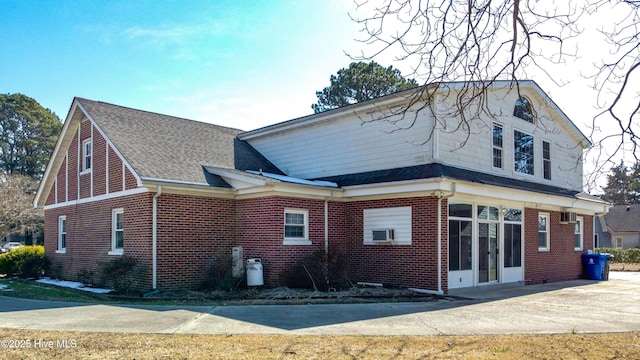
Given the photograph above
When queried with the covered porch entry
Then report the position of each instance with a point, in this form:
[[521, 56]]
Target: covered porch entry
[[485, 244]]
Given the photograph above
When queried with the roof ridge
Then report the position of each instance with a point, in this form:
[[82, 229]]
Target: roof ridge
[[81, 99]]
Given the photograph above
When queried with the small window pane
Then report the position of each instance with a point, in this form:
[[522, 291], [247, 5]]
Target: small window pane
[[497, 158], [497, 135], [119, 239], [513, 215], [291, 231], [294, 219], [542, 223], [461, 210]]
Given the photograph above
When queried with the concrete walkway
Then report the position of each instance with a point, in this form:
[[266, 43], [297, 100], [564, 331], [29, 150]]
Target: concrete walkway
[[580, 305]]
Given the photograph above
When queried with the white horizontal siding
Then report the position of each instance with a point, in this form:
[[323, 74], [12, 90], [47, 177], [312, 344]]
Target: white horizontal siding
[[396, 218], [477, 152], [347, 145]]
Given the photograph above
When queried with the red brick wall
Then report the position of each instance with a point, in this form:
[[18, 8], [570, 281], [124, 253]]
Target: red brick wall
[[562, 262], [99, 164], [115, 172], [414, 265], [260, 231], [89, 234], [99, 172], [191, 232], [73, 170]]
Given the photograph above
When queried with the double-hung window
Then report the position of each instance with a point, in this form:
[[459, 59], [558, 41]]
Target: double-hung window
[[87, 154], [296, 227], [497, 146], [546, 160], [117, 232], [578, 234], [62, 234], [543, 232]]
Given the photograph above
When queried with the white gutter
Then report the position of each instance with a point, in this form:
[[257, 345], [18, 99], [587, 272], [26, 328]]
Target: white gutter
[[154, 241], [440, 197]]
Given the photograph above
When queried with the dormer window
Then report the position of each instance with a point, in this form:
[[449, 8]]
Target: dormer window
[[523, 109]]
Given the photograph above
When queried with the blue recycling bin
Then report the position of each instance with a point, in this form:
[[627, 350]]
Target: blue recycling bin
[[595, 265]]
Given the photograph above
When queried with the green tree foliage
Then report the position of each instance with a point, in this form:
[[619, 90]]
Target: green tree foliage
[[28, 134], [361, 81], [623, 185]]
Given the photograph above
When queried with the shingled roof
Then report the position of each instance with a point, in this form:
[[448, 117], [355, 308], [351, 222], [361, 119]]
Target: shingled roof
[[433, 170], [623, 218], [170, 148]]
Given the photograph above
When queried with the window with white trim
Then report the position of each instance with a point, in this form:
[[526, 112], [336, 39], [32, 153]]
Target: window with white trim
[[62, 234], [543, 232], [617, 242], [296, 227], [87, 154], [522, 152], [117, 232], [523, 109], [578, 239], [546, 160], [497, 145]]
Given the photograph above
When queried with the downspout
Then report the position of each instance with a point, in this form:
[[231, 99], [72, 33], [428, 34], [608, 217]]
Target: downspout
[[440, 197], [326, 237], [326, 223], [439, 291], [154, 241]]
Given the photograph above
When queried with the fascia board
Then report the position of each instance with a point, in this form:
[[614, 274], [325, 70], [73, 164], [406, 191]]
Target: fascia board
[[237, 180], [351, 110], [169, 187], [55, 162]]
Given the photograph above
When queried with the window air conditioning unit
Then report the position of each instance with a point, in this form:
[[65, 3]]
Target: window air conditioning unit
[[383, 235], [567, 217]]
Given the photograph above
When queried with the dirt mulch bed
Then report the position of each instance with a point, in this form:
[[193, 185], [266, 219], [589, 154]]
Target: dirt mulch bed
[[284, 295]]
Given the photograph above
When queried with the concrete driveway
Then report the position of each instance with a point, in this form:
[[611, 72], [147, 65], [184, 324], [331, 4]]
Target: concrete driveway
[[580, 305]]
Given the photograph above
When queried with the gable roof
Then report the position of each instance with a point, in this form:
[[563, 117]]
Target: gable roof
[[160, 146], [410, 95], [623, 218], [156, 146]]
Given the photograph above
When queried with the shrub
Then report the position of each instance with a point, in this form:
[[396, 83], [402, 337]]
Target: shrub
[[87, 277], [628, 256], [25, 261], [123, 274], [318, 271], [218, 275]]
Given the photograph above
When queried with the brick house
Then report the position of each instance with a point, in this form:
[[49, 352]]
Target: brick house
[[413, 207]]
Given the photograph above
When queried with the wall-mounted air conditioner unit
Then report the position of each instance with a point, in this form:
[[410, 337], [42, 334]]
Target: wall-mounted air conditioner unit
[[567, 217], [384, 235]]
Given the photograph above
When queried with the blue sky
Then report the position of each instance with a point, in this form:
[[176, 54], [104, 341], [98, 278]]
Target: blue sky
[[243, 64]]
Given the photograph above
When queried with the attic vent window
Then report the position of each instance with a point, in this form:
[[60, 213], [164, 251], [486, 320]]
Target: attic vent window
[[523, 109]]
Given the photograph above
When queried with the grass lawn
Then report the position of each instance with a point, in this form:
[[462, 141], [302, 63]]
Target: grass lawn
[[30, 290], [82, 345]]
